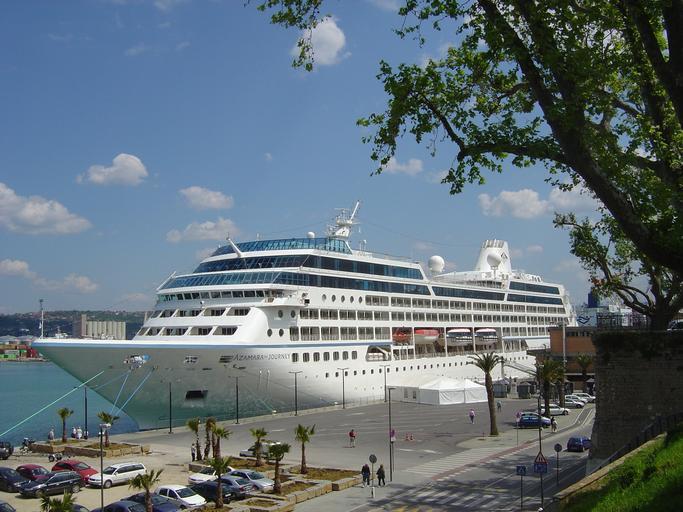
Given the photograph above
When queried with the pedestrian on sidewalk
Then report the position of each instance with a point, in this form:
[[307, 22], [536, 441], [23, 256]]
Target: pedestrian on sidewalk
[[365, 471], [193, 451], [381, 475], [472, 415], [499, 405], [352, 439], [553, 424]]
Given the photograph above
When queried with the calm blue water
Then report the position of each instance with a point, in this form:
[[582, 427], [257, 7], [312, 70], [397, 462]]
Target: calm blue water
[[25, 388]]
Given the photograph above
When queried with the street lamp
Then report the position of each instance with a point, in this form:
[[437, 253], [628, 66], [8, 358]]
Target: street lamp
[[170, 408], [391, 440], [103, 428], [296, 399], [385, 366], [237, 392], [85, 402], [343, 370]]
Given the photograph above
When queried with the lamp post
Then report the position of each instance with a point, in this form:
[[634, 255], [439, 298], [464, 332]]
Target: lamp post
[[385, 366], [103, 428], [170, 408], [391, 441], [296, 399], [343, 370], [237, 392], [85, 406]]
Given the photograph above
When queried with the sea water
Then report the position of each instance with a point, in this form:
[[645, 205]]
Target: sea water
[[25, 388]]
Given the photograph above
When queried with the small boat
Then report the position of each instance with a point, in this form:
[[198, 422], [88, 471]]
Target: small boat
[[401, 336], [426, 335], [459, 337], [485, 336]]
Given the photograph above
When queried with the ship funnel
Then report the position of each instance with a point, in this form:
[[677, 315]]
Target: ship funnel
[[494, 256]]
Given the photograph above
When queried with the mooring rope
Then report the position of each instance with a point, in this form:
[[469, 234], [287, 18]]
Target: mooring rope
[[135, 390], [118, 395]]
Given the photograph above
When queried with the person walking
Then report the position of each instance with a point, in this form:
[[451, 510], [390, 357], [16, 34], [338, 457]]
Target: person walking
[[499, 405], [381, 475], [193, 451], [365, 472], [472, 415], [553, 424], [51, 434], [352, 439]]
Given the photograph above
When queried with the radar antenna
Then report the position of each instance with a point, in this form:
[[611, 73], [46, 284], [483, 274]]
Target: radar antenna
[[343, 223]]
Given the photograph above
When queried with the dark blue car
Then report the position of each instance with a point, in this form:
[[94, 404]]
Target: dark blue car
[[159, 503], [578, 444], [530, 420], [122, 506]]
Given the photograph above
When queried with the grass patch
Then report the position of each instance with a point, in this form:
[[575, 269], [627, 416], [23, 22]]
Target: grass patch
[[112, 446], [326, 474], [258, 502], [650, 480], [250, 464], [295, 487]]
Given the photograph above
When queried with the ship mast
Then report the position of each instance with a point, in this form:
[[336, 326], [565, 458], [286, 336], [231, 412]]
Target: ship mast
[[343, 223]]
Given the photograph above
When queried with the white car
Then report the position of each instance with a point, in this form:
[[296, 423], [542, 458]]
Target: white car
[[265, 445], [258, 479], [182, 495], [586, 396], [556, 410], [571, 402], [575, 397], [120, 473], [204, 475]]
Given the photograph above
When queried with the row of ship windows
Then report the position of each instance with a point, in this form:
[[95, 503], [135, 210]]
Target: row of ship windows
[[321, 243], [311, 333], [168, 313], [315, 357]]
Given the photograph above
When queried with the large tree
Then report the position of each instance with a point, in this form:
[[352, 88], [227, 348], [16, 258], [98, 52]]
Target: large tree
[[259, 434], [64, 413], [592, 89], [108, 419], [145, 482], [193, 425], [303, 435], [487, 363], [549, 372]]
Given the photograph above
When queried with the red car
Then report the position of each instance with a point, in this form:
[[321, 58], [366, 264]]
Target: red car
[[75, 465], [31, 471]]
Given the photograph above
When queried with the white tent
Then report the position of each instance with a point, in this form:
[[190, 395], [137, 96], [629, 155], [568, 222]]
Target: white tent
[[433, 390]]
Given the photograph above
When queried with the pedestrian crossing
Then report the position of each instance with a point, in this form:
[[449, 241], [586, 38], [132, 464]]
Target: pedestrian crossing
[[453, 462]]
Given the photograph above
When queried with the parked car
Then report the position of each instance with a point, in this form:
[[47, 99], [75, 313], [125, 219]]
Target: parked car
[[204, 475], [11, 481], [531, 419], [159, 503], [120, 473], [53, 483], [259, 480], [75, 465], [675, 325], [572, 402], [585, 396], [241, 486], [6, 450], [31, 471], [578, 444], [251, 451], [78, 508], [208, 490], [122, 506], [6, 507], [555, 410], [182, 495], [575, 397]]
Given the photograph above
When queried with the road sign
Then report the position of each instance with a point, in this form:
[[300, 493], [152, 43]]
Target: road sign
[[373, 458], [540, 468], [558, 447], [521, 470], [540, 459]]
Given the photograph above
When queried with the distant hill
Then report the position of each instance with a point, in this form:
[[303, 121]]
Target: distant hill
[[20, 324]]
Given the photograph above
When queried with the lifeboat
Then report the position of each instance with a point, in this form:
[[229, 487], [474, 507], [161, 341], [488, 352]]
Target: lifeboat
[[459, 337], [401, 337], [485, 337], [426, 335]]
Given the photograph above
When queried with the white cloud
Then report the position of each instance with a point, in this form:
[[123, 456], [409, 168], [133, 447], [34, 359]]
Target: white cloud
[[436, 177], [72, 282], [167, 5], [182, 45], [411, 167], [201, 198], [534, 249], [327, 43], [204, 253], [424, 246], [268, 157], [386, 5], [137, 50], [523, 204], [136, 298], [579, 199], [125, 170], [35, 215], [208, 230], [516, 253]]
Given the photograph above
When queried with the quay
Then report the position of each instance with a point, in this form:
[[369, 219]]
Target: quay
[[437, 449]]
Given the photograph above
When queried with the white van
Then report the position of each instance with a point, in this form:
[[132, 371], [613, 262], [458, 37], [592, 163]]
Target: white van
[[120, 473]]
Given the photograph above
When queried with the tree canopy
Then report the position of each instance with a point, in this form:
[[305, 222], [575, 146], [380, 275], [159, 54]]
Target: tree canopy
[[592, 89]]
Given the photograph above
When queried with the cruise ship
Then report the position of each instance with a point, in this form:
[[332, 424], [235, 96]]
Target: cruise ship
[[274, 325]]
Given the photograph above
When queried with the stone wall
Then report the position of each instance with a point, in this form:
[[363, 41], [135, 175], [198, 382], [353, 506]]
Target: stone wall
[[639, 377]]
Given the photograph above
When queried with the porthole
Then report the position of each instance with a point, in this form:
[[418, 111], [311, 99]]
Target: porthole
[[270, 332], [292, 313], [334, 297], [280, 314], [343, 298], [281, 332], [360, 300], [324, 297], [351, 299]]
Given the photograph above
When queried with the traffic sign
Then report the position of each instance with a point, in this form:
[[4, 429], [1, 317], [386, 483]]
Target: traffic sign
[[540, 459], [521, 470], [373, 458], [558, 447], [540, 468]]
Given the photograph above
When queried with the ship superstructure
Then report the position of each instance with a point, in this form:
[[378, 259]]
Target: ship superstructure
[[269, 312]]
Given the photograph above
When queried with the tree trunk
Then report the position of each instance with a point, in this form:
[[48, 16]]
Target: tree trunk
[[63, 430], [276, 487], [546, 397], [259, 457], [584, 375], [148, 501], [106, 438], [199, 449], [217, 449], [207, 446], [492, 405], [304, 469], [219, 493]]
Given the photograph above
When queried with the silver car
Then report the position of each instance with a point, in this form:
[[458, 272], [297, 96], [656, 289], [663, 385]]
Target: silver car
[[259, 480], [120, 473]]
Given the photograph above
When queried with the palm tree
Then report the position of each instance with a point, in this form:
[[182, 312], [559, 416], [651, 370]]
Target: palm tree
[[219, 433], [548, 372], [259, 435], [277, 452], [64, 413], [193, 425], [145, 482], [487, 363], [303, 435], [584, 361], [65, 504], [209, 425], [221, 466], [105, 417]]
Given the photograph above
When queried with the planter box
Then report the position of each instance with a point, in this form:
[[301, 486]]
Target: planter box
[[277, 506], [345, 483]]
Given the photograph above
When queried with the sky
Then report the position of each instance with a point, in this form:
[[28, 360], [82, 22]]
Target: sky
[[137, 134]]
